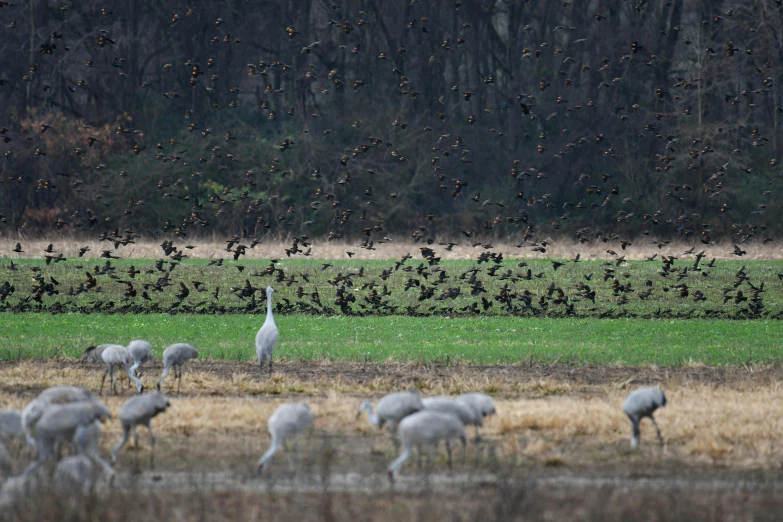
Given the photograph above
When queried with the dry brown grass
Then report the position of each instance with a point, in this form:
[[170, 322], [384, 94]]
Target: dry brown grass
[[322, 249], [540, 422], [524, 502]]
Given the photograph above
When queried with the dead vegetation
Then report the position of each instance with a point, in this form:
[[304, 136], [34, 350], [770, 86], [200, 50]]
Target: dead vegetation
[[562, 419], [529, 502]]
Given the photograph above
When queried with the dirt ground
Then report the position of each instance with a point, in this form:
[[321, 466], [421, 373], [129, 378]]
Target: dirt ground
[[559, 430]]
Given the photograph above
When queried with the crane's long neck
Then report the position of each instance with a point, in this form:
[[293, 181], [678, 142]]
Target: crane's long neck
[[166, 369], [372, 417], [270, 452], [395, 466], [269, 316], [130, 370]]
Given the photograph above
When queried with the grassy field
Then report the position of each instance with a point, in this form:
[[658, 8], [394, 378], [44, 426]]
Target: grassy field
[[729, 289], [469, 340]]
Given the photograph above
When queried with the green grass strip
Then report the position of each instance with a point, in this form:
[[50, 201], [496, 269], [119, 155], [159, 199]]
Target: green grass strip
[[470, 340]]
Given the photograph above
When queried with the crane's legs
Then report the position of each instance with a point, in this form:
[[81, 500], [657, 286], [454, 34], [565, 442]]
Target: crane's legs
[[112, 380], [660, 438], [178, 370], [478, 436], [290, 450], [635, 432], [448, 452], [152, 446], [103, 381], [125, 432]]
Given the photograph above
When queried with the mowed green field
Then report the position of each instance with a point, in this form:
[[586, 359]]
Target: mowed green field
[[476, 340]]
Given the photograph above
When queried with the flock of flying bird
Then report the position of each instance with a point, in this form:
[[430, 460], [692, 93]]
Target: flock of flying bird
[[72, 414], [530, 212], [491, 286]]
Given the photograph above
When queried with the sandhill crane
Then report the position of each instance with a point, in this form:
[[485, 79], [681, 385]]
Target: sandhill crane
[[20, 487], [74, 474], [175, 356], [55, 395], [141, 352], [116, 356], [93, 354], [140, 410], [480, 402], [266, 338], [392, 408], [67, 422], [468, 415], [288, 420], [426, 428], [642, 403], [11, 425]]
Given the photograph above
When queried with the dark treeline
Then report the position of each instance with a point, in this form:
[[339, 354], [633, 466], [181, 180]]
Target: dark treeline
[[511, 119]]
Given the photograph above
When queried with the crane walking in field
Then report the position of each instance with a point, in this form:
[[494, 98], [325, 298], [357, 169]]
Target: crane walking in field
[[54, 395], [391, 409], [287, 421], [93, 354], [116, 357], [481, 402], [68, 422], [174, 357], [266, 338], [11, 425], [141, 351], [140, 410], [468, 415], [640, 404], [426, 428], [75, 474]]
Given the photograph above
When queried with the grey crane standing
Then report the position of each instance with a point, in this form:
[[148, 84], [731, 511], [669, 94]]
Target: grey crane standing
[[174, 357], [426, 428], [481, 402], [140, 410], [55, 395], [141, 352], [75, 474], [267, 336], [468, 415], [642, 403], [71, 422], [93, 354], [287, 421], [11, 425], [116, 356], [391, 409]]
